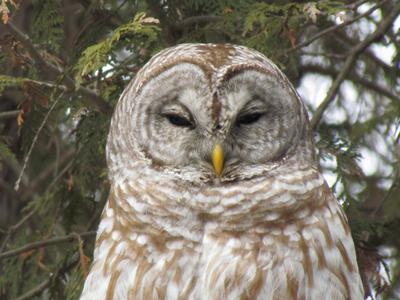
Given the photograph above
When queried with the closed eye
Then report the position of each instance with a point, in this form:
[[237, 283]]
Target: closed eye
[[248, 119], [178, 120]]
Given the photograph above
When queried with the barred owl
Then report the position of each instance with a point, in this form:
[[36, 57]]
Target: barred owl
[[215, 190]]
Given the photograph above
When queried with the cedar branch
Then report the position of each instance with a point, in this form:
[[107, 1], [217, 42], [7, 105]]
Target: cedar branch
[[46, 67]]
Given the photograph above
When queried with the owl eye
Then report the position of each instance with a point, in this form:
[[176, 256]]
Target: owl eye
[[250, 118], [179, 121]]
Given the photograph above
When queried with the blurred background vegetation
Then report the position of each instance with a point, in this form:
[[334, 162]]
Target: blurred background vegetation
[[63, 65]]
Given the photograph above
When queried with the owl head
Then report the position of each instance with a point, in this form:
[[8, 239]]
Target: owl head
[[208, 113]]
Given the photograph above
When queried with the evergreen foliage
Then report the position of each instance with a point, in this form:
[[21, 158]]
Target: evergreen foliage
[[64, 65]]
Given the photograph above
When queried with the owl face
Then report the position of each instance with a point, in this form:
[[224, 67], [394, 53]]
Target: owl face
[[220, 112]]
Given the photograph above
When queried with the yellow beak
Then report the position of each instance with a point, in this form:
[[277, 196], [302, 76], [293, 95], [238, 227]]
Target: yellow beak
[[217, 158]]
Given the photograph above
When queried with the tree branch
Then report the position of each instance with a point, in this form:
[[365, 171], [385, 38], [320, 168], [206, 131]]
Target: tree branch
[[371, 85], [334, 27], [370, 55], [45, 243], [351, 59], [37, 290], [90, 97]]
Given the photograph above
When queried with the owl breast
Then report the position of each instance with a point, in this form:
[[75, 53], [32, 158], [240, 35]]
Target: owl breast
[[251, 245]]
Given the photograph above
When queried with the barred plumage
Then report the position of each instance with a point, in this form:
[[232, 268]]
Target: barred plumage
[[267, 228]]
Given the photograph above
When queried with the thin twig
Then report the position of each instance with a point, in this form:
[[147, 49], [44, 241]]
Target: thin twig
[[14, 166], [65, 169], [9, 114], [83, 259], [47, 84], [333, 28], [17, 183], [48, 242], [37, 290], [65, 157], [14, 228], [351, 59]]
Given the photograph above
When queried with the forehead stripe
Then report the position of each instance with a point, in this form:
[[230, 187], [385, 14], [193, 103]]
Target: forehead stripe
[[215, 109]]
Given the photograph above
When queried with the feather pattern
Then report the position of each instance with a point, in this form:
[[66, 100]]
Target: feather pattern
[[268, 228]]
